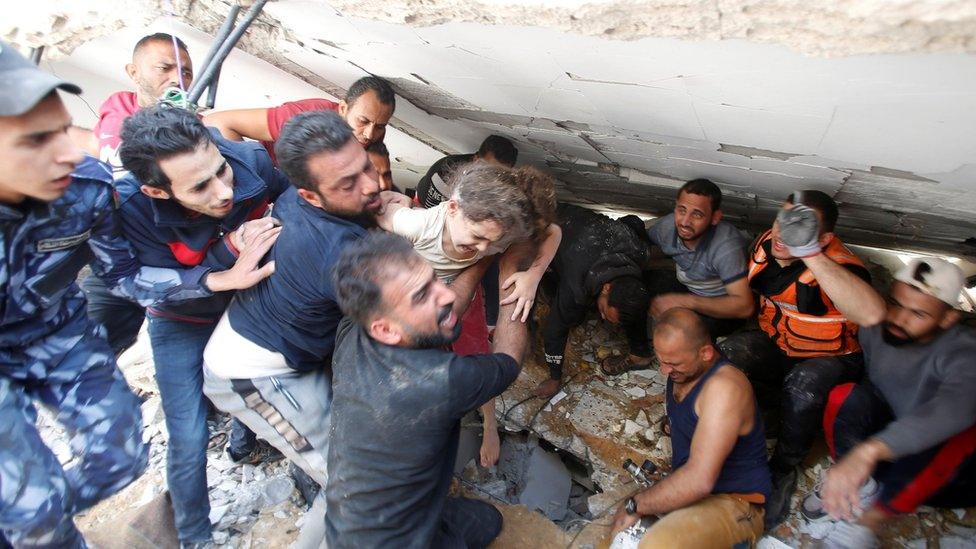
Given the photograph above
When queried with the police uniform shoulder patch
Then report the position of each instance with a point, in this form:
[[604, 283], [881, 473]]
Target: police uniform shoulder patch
[[62, 242]]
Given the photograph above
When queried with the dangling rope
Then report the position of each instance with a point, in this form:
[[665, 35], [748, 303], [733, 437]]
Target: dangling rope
[[177, 96]]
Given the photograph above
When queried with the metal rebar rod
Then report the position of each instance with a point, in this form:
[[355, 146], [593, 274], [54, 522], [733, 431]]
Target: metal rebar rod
[[35, 54], [212, 90], [197, 89], [222, 34]]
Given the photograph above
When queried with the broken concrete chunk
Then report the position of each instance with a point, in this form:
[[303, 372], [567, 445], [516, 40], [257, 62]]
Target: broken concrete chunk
[[631, 427], [277, 490], [469, 446], [664, 445], [151, 411], [602, 502], [642, 419], [547, 484], [655, 413], [217, 512], [497, 489], [635, 392]]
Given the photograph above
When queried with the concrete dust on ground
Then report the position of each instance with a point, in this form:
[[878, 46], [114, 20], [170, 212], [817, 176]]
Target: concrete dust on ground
[[596, 421]]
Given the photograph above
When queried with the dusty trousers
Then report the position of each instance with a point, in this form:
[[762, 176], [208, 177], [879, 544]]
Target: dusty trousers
[[292, 412], [718, 521]]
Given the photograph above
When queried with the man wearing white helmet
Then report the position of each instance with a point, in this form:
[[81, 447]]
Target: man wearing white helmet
[[906, 435]]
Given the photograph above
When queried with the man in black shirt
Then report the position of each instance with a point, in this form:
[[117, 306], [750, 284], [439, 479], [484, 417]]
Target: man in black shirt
[[435, 187], [398, 402]]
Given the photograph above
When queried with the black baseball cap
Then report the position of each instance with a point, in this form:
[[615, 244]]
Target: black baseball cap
[[23, 85]]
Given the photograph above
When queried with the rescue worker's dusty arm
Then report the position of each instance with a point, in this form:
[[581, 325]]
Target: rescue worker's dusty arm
[[852, 296], [739, 303], [800, 230], [511, 336], [723, 409], [240, 123]]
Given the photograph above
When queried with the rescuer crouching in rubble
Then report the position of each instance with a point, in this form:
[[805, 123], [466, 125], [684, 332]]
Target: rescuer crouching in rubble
[[808, 339], [714, 496], [599, 262], [905, 436]]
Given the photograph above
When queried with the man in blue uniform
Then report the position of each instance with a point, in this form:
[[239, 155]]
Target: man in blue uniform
[[56, 215]]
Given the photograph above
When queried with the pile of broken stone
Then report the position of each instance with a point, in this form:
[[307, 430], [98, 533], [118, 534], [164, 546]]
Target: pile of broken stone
[[562, 458]]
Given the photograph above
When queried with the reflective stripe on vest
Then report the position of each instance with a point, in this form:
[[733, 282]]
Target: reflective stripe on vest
[[799, 334]]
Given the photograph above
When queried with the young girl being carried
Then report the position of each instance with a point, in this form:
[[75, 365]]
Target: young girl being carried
[[491, 209]]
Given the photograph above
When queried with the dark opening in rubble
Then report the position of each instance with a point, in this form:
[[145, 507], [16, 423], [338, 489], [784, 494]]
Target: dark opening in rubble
[[529, 472]]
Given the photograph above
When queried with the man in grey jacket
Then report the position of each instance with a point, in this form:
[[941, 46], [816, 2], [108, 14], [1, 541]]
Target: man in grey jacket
[[911, 424]]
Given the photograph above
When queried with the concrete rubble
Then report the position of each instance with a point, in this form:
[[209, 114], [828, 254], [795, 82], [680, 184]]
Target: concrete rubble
[[603, 422], [558, 482]]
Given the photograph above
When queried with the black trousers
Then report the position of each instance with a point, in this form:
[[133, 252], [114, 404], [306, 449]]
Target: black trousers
[[941, 476], [565, 313], [122, 318], [467, 523], [799, 386]]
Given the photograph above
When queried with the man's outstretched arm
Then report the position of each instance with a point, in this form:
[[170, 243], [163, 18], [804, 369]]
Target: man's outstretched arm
[[511, 336], [240, 123]]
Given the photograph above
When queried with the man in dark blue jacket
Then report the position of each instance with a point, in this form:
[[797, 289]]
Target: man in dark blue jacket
[[269, 361], [57, 214], [195, 202]]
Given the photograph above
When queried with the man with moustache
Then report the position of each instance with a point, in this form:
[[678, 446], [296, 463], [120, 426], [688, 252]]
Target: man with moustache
[[808, 338], [910, 426], [399, 400], [719, 480], [159, 61], [710, 261], [367, 109]]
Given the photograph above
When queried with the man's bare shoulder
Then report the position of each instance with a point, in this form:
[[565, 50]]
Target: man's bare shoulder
[[728, 383]]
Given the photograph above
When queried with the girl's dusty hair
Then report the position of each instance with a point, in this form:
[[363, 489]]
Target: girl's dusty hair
[[540, 188], [487, 192]]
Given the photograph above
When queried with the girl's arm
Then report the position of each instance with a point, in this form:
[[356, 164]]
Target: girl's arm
[[527, 282]]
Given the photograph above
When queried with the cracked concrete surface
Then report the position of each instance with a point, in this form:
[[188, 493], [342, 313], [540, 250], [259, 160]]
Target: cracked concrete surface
[[870, 101], [820, 27]]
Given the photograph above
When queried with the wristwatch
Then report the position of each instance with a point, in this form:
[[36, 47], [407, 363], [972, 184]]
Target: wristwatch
[[631, 506]]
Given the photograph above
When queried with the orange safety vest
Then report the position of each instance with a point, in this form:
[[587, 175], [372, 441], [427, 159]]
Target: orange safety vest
[[801, 334]]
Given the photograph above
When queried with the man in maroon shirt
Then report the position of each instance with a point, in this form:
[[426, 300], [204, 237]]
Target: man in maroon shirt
[[159, 61], [155, 66], [367, 108]]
